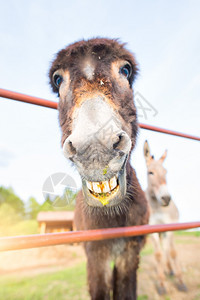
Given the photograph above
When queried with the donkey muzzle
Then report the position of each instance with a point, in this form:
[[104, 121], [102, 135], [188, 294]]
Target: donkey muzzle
[[165, 200], [99, 147]]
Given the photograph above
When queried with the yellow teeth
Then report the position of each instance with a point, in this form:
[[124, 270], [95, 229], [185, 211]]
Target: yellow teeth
[[102, 186], [103, 191], [89, 185], [96, 187], [105, 186], [113, 183], [104, 198]]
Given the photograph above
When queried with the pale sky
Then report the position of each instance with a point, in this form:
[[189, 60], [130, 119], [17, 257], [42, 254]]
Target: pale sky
[[165, 38]]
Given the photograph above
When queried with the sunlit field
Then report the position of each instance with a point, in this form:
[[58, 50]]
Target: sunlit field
[[59, 272]]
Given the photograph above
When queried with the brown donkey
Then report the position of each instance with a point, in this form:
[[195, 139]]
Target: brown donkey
[[99, 126], [162, 211]]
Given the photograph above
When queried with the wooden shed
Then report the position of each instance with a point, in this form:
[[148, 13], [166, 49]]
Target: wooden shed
[[55, 221]]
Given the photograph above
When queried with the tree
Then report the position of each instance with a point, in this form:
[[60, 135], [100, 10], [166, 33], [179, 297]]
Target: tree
[[8, 215], [33, 208], [8, 196]]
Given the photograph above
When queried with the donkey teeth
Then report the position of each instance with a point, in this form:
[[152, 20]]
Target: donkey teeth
[[96, 187], [89, 185], [113, 182], [105, 187], [102, 186]]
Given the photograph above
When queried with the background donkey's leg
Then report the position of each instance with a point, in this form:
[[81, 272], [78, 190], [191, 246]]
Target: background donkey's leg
[[167, 239], [172, 255], [159, 263], [99, 271]]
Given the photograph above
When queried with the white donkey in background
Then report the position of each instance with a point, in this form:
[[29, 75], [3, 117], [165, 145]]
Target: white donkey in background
[[162, 211]]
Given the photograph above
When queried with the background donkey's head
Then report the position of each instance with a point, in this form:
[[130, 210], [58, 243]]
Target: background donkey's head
[[156, 174], [97, 114]]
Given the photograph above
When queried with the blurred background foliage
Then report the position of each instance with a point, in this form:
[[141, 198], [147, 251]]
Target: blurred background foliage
[[20, 218]]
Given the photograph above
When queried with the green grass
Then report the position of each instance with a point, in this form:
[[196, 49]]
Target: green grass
[[65, 284], [24, 227], [147, 250], [69, 284], [188, 233], [142, 297], [62, 285]]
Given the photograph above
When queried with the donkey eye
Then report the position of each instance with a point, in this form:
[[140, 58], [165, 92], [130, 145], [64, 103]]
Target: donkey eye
[[126, 71], [150, 173], [57, 80]]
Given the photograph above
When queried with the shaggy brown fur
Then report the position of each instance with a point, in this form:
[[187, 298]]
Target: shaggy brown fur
[[133, 208]]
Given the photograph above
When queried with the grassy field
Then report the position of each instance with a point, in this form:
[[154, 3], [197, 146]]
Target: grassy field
[[23, 227], [69, 283], [65, 284], [62, 285], [187, 233]]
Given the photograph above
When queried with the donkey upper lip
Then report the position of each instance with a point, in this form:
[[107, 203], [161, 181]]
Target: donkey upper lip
[[102, 186]]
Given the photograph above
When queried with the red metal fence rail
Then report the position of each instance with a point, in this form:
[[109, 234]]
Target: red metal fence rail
[[49, 239], [32, 241], [27, 99], [51, 104]]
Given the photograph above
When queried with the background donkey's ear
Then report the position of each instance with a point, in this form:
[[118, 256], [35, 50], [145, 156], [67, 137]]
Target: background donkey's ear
[[163, 156], [147, 154]]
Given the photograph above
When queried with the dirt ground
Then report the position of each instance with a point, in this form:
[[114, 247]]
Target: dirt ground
[[188, 248], [50, 259]]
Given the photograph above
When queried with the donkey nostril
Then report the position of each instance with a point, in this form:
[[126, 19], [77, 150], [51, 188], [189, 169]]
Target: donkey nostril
[[71, 148], [117, 144], [166, 199]]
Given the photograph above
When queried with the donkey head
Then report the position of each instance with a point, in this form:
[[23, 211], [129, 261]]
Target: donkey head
[[97, 114], [156, 173]]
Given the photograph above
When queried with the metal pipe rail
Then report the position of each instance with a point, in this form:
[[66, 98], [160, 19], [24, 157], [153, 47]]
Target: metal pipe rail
[[27, 99], [51, 104], [32, 241], [50, 239]]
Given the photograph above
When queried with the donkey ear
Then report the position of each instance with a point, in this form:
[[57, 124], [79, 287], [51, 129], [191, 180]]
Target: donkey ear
[[163, 156], [147, 154]]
